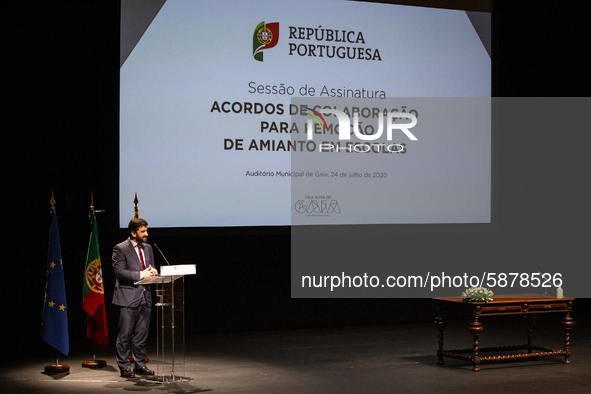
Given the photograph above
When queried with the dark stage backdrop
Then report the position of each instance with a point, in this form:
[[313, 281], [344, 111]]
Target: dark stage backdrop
[[62, 136]]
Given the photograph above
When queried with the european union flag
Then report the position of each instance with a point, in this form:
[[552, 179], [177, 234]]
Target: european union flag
[[54, 326]]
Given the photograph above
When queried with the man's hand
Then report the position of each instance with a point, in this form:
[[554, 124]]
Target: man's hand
[[149, 272]]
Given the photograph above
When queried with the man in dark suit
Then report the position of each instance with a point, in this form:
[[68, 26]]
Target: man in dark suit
[[133, 260]]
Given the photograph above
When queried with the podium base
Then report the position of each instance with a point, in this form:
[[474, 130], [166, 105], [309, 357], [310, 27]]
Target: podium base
[[94, 364], [57, 368], [167, 379]]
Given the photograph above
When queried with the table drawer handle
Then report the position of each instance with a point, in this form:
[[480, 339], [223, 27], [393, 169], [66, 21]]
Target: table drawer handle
[[504, 309]]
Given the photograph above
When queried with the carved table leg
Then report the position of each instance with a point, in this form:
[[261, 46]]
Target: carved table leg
[[440, 323], [476, 328], [568, 323], [530, 320]]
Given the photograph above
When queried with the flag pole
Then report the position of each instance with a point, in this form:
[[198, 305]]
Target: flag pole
[[94, 363], [136, 212], [57, 367]]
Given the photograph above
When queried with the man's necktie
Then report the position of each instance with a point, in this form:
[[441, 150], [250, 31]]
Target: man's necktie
[[139, 247]]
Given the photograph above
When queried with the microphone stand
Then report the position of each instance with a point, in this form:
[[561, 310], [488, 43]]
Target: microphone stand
[[162, 254]]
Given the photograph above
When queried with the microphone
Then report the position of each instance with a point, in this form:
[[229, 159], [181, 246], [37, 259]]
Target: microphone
[[162, 254]]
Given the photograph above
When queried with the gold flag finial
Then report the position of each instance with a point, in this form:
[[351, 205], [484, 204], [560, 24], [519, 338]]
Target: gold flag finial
[[91, 201], [136, 212], [52, 202]]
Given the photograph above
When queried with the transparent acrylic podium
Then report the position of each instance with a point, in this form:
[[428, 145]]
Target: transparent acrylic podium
[[170, 322]]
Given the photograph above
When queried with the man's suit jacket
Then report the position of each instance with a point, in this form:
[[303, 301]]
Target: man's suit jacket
[[128, 269]]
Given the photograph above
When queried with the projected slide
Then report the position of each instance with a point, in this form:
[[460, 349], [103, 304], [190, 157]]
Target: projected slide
[[217, 98]]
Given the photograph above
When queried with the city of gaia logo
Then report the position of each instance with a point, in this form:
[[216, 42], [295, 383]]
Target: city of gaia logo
[[318, 115], [266, 36]]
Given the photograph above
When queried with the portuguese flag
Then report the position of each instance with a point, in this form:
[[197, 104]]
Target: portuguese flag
[[266, 36], [93, 292]]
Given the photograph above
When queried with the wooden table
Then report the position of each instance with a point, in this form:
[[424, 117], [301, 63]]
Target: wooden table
[[527, 307]]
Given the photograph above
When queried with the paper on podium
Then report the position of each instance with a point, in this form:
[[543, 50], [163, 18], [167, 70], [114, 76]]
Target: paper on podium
[[178, 270]]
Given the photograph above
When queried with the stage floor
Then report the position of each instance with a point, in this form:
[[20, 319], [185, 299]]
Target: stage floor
[[368, 359]]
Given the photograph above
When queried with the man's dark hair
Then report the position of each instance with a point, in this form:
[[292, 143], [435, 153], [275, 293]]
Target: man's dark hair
[[135, 224]]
